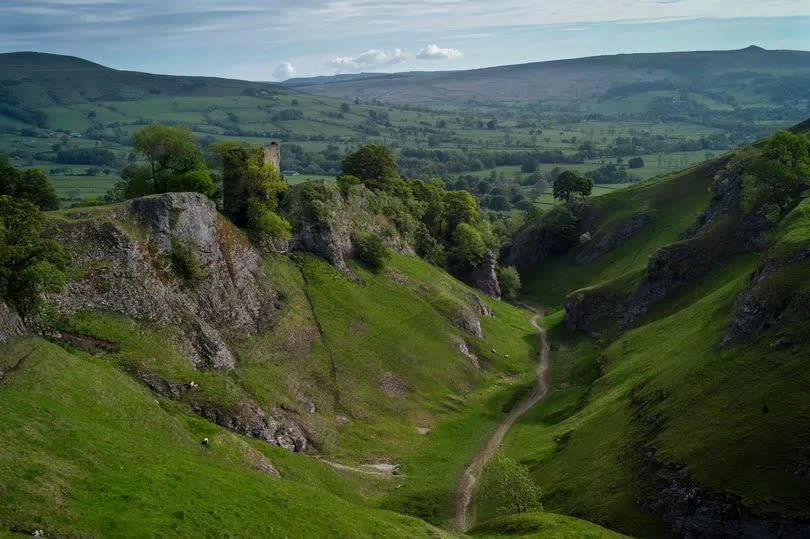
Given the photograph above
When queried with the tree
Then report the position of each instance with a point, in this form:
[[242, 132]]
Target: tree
[[372, 250], [170, 152], [30, 264], [459, 207], [507, 487], [636, 162], [372, 163], [31, 185], [344, 107], [468, 248], [569, 184], [509, 279]]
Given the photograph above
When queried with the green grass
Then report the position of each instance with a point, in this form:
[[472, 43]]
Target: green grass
[[703, 408], [541, 525], [334, 342], [673, 202], [88, 452]]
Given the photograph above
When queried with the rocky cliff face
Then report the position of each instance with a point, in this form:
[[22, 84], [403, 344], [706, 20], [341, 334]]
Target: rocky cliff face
[[122, 264], [613, 238], [485, 277], [330, 234], [11, 325], [554, 233], [772, 305]]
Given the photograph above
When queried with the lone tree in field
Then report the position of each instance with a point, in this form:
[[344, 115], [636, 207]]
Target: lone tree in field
[[569, 184], [507, 487]]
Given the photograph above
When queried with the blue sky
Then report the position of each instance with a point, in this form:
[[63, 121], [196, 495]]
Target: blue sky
[[272, 40]]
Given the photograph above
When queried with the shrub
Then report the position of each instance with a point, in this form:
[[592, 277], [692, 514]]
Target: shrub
[[507, 487], [509, 279], [267, 228], [185, 261], [372, 250]]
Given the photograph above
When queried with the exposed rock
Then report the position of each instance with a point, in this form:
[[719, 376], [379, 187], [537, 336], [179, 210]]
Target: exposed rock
[[478, 306], [693, 511], [261, 463], [332, 238], [11, 325], [470, 323], [542, 238], [122, 260], [250, 420], [211, 351], [613, 238], [341, 419], [485, 278], [465, 351], [424, 431], [393, 385], [594, 311], [668, 270]]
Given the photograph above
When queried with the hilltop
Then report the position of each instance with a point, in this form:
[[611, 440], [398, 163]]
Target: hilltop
[[721, 78]]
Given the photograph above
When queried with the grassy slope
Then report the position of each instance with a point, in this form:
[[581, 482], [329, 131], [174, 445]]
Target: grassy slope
[[673, 202], [735, 417], [86, 451], [539, 525], [397, 323]]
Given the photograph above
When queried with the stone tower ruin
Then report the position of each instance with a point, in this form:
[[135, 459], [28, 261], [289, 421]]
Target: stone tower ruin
[[272, 154]]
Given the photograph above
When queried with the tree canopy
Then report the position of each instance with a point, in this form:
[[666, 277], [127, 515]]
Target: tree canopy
[[373, 164], [569, 184], [31, 185], [29, 263], [507, 486], [173, 163]]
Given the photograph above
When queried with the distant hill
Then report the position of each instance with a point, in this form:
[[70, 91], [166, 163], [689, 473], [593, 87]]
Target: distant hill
[[33, 79], [737, 76]]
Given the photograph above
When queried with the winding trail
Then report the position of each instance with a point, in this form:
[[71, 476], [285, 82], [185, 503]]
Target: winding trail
[[462, 499]]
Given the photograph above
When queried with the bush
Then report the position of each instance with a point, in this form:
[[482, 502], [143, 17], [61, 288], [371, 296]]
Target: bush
[[185, 262], [509, 279], [372, 250], [507, 487], [267, 228]]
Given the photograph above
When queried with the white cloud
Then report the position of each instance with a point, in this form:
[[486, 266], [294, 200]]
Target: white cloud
[[369, 59], [283, 71], [434, 52]]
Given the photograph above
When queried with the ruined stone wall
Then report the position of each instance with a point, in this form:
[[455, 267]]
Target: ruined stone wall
[[272, 154]]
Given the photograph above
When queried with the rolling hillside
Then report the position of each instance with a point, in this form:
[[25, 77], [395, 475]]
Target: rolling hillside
[[721, 79], [678, 401]]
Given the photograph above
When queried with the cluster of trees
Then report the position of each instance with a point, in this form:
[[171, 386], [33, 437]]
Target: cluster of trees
[[30, 264], [173, 163], [88, 156], [773, 178], [31, 185]]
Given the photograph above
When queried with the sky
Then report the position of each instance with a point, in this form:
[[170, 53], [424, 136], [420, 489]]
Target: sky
[[274, 40]]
